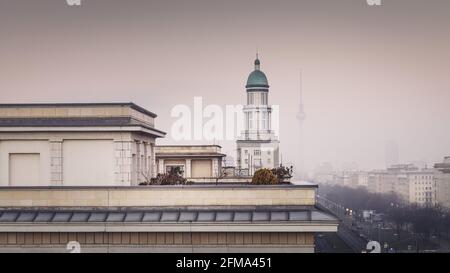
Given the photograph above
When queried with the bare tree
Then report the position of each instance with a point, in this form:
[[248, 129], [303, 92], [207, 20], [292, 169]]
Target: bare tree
[[222, 174]]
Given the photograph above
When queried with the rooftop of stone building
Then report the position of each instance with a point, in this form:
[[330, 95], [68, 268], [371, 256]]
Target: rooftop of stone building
[[56, 115]]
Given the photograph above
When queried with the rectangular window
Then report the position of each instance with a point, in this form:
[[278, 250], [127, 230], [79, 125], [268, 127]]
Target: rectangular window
[[251, 98], [257, 162], [264, 120], [250, 120], [264, 98], [173, 167], [257, 152]]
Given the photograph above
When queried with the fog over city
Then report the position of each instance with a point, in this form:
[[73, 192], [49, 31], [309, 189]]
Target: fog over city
[[372, 75]]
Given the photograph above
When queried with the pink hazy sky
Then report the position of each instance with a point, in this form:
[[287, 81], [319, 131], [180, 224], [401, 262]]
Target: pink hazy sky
[[370, 74]]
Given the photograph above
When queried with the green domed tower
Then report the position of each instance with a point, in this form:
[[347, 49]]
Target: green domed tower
[[257, 80], [258, 145], [257, 86]]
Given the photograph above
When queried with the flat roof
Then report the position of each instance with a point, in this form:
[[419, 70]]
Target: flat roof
[[183, 155], [186, 145], [71, 123], [90, 104], [75, 124]]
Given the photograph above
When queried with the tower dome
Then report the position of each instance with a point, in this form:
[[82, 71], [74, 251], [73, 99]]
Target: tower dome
[[257, 79]]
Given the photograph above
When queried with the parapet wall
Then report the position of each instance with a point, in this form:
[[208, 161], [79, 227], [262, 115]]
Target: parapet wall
[[156, 196]]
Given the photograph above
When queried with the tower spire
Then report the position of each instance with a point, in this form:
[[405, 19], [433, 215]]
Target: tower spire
[[301, 110], [299, 168], [257, 62]]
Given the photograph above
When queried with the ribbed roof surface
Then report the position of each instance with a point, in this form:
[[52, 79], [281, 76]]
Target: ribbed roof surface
[[178, 216]]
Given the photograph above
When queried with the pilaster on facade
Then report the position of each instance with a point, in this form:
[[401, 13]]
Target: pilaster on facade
[[188, 168], [123, 164], [138, 168], [153, 160], [56, 162], [146, 165], [215, 167], [161, 166]]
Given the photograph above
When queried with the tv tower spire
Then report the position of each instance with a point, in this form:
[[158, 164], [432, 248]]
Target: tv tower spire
[[301, 111], [299, 166]]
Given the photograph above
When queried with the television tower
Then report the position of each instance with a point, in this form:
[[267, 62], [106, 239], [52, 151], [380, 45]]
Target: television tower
[[299, 167]]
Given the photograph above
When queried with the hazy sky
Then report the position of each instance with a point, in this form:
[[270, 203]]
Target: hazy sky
[[370, 74]]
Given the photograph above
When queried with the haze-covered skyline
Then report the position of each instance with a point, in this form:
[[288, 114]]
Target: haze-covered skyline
[[370, 74]]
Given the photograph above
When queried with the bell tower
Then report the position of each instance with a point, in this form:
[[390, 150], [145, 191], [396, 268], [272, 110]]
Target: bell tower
[[258, 146]]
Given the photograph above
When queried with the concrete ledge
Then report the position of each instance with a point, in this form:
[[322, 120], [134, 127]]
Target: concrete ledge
[[161, 249], [159, 227], [208, 185], [159, 196]]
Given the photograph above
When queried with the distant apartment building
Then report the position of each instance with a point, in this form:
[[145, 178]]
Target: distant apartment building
[[362, 179], [374, 180], [343, 179], [442, 178], [409, 183], [354, 179], [324, 173], [324, 178], [422, 187]]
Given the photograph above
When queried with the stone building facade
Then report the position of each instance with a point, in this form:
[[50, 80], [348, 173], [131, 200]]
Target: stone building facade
[[76, 144], [411, 184], [198, 162], [192, 218], [443, 182]]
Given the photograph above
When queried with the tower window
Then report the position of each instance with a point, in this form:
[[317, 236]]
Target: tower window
[[264, 120], [264, 98], [250, 98], [250, 120]]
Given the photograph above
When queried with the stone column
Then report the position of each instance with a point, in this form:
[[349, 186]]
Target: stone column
[[187, 171], [56, 163], [138, 167], [269, 118], [123, 157], [153, 160], [145, 165], [161, 166]]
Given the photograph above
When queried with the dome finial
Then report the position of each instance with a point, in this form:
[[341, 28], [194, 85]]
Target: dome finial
[[257, 62]]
